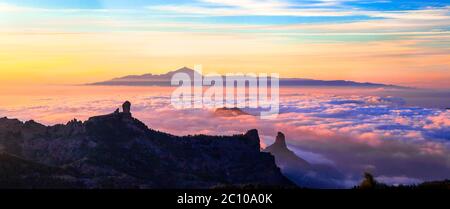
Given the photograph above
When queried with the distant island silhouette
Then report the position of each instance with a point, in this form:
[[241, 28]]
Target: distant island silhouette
[[165, 80]]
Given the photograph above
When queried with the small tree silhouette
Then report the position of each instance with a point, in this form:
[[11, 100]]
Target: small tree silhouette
[[369, 182]]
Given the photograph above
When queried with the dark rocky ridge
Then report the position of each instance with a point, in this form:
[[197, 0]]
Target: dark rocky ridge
[[300, 171], [119, 151], [284, 156]]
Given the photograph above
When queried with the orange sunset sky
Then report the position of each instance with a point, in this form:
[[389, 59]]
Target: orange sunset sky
[[60, 43]]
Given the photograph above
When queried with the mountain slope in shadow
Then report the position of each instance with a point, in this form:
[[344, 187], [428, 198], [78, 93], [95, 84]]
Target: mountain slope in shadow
[[17, 173], [300, 171], [119, 151], [284, 156]]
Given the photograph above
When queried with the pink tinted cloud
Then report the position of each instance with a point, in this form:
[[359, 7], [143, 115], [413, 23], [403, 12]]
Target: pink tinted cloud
[[350, 132]]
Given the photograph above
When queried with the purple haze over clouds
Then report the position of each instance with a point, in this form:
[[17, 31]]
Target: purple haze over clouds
[[399, 143]]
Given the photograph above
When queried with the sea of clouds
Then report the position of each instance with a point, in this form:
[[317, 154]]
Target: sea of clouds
[[398, 143]]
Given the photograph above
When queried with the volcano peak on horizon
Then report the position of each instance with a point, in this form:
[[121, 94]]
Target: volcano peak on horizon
[[165, 80]]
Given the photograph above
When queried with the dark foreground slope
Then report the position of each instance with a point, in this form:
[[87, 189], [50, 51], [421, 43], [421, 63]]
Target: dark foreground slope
[[118, 151], [300, 171]]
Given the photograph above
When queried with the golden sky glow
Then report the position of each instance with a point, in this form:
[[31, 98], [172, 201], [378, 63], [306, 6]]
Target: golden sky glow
[[41, 44], [72, 58]]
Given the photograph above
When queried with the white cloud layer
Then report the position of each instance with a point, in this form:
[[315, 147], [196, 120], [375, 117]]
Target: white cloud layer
[[398, 143]]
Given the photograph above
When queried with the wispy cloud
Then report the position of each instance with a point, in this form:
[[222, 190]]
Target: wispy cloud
[[12, 8], [250, 3], [251, 8], [311, 38], [323, 8]]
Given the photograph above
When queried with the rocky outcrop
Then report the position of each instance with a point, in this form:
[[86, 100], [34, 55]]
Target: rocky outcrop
[[119, 151], [285, 157], [229, 112], [126, 107], [300, 171]]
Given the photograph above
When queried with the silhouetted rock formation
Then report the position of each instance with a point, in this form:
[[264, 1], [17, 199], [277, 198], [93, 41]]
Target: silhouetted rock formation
[[280, 147], [126, 107], [299, 170], [284, 157], [280, 141], [119, 151], [229, 112]]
